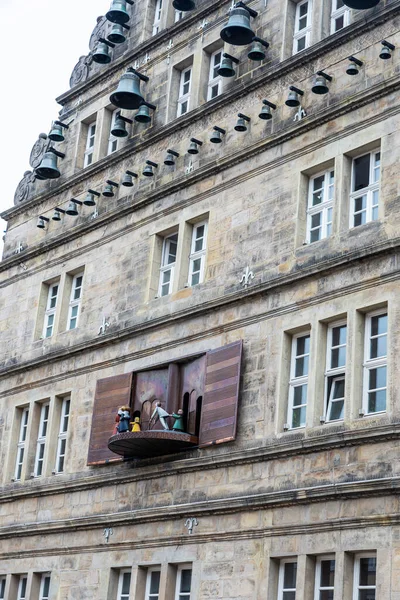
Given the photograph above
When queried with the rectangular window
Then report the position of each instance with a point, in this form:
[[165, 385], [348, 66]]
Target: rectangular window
[[41, 441], [340, 15], [62, 435], [50, 313], [153, 584], [302, 26], [183, 582], [21, 443], [23, 580], [124, 584], [335, 371], [185, 85], [75, 301], [324, 578], [364, 577], [375, 362], [364, 197], [44, 587], [2, 588], [197, 257], [214, 80], [157, 17], [298, 384], [178, 15], [320, 206], [112, 140], [91, 136], [287, 580], [168, 260]]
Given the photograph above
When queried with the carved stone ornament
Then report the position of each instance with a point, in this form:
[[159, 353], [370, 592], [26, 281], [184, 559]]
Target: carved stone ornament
[[24, 189], [38, 150], [81, 71], [98, 32]]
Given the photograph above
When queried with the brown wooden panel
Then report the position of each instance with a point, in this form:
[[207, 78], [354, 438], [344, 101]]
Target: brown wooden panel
[[110, 394], [219, 411]]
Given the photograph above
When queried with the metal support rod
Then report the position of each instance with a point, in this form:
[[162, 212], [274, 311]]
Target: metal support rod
[[125, 119], [196, 141], [261, 41], [216, 128], [169, 151], [232, 58], [245, 117], [104, 41], [140, 75], [94, 193], [388, 45], [75, 201], [241, 4], [44, 218], [131, 173], [61, 124], [151, 163], [56, 152], [297, 90], [270, 104], [324, 75], [110, 182], [355, 61], [61, 210]]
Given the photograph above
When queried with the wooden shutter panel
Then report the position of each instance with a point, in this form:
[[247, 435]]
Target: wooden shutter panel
[[111, 393], [221, 392]]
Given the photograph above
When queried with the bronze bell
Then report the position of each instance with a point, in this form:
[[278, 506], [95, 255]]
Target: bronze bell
[[352, 68], [226, 68], [48, 168], [257, 50], [184, 5], [72, 209], [148, 170], [89, 200], [241, 122], [386, 51], [117, 34], [41, 222], [216, 136], [119, 128], [128, 95], [56, 134], [320, 84], [101, 55], [194, 146], [108, 191], [57, 214], [127, 179], [360, 4], [293, 98], [238, 31], [266, 113], [118, 12], [143, 114], [170, 158]]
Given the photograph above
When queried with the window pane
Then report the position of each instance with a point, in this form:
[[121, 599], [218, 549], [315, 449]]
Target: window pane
[[379, 325], [316, 220], [289, 576], [289, 596], [299, 417], [368, 571], [377, 378], [186, 580], [337, 411], [46, 587], [155, 582], [377, 401], [327, 573], [338, 389], [338, 357], [361, 172], [195, 279], [301, 366], [339, 335], [300, 395], [326, 595], [126, 582], [303, 345], [301, 44], [367, 595]]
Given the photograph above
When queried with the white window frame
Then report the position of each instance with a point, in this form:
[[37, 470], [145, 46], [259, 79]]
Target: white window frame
[[336, 13], [333, 374], [122, 572], [50, 312], [41, 439], [198, 255], [373, 363], [20, 586], [90, 142], [22, 439], [179, 14], [212, 79], [112, 140], [62, 434], [356, 581], [75, 302], [368, 191], [167, 267], [158, 6], [305, 32], [298, 381], [325, 207], [184, 96], [318, 588], [3, 581], [182, 595], [42, 596], [281, 576], [149, 596]]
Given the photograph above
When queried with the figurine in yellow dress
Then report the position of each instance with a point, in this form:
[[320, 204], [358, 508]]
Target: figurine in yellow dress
[[136, 424]]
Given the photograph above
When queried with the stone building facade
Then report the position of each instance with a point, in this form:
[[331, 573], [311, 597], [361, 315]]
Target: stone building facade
[[265, 268]]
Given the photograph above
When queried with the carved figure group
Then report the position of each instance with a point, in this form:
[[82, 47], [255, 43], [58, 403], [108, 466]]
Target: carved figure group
[[123, 420]]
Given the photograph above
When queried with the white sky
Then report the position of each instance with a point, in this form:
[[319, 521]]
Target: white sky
[[41, 41]]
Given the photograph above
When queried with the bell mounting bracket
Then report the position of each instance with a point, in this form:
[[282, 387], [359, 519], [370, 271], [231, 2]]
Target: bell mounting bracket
[[216, 128], [124, 119], [110, 182], [56, 152], [169, 151], [270, 104], [241, 4], [196, 141], [151, 163], [75, 201], [232, 58], [61, 124], [94, 193], [131, 173], [131, 2], [104, 41], [152, 106], [355, 61], [245, 117], [297, 90], [388, 45], [140, 75], [324, 75], [261, 41], [44, 218], [124, 25], [61, 210]]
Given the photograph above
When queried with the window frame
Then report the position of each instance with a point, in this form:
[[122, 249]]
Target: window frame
[[214, 80], [367, 191], [373, 363], [178, 593], [323, 207], [50, 310], [184, 97], [298, 381], [179, 14], [90, 143], [158, 7], [3, 581], [168, 266], [62, 435], [112, 140], [75, 302], [336, 13], [356, 578], [281, 576], [21, 445], [306, 31], [22, 578], [333, 374], [42, 585], [147, 595], [41, 439], [121, 574], [317, 586], [199, 254]]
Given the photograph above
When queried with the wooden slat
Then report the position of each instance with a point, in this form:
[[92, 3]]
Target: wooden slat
[[111, 393], [220, 403]]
